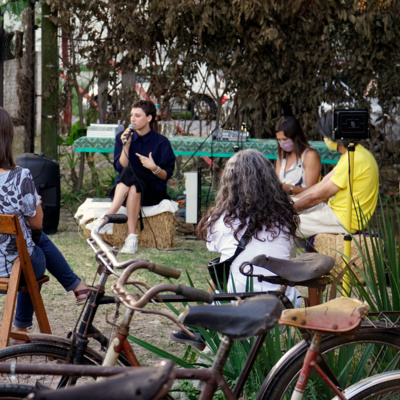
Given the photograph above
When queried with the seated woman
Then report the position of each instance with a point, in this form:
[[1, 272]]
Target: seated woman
[[251, 200], [18, 196], [145, 161], [298, 165]]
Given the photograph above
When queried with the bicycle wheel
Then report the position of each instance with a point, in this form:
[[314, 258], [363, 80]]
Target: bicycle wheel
[[368, 352], [15, 391], [379, 387], [33, 353]]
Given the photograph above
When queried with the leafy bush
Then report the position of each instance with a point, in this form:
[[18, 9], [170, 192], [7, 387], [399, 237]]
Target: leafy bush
[[379, 266]]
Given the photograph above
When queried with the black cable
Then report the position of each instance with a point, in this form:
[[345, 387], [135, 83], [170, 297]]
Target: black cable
[[194, 153]]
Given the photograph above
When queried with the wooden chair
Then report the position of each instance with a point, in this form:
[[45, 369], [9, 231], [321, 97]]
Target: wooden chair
[[9, 224]]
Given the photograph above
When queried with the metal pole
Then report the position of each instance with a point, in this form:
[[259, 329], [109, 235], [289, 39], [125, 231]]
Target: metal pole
[[349, 214]]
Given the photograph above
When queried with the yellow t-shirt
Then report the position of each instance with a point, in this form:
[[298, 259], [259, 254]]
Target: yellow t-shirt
[[365, 186]]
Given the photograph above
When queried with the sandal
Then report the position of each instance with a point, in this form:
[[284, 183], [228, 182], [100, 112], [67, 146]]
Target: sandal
[[81, 296], [16, 342]]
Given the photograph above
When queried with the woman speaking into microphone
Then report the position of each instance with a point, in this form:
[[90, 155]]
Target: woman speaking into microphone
[[144, 161]]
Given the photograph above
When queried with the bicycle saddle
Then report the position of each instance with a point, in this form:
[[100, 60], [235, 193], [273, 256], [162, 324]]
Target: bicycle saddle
[[137, 384], [305, 267], [245, 318], [339, 315]]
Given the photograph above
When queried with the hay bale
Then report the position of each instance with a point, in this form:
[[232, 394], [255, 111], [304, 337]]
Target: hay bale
[[333, 245], [159, 227]]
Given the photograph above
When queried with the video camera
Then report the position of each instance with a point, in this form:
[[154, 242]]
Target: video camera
[[350, 125]]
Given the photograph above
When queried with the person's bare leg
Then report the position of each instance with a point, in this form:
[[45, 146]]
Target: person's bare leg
[[121, 191], [133, 208]]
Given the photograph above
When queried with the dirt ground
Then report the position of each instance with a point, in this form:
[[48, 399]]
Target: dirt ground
[[63, 314]]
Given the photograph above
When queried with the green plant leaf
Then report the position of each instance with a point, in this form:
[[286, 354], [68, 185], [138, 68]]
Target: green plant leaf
[[160, 352]]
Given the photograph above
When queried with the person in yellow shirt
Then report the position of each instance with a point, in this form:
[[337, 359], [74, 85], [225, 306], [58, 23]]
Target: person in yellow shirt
[[322, 207]]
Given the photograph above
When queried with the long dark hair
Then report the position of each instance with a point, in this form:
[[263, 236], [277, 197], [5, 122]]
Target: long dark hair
[[292, 130], [148, 107], [6, 139], [251, 192]]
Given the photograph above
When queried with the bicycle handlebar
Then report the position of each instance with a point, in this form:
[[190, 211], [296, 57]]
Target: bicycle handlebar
[[194, 294], [116, 218], [164, 270], [108, 252], [130, 300]]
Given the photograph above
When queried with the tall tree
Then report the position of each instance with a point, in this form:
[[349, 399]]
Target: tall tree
[[276, 57]]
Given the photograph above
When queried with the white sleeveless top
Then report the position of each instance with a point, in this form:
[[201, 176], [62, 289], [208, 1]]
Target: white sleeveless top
[[296, 174]]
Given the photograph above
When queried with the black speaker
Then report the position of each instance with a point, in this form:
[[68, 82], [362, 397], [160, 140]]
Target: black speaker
[[46, 175]]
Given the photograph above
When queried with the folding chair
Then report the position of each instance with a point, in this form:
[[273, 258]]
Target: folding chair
[[9, 224]]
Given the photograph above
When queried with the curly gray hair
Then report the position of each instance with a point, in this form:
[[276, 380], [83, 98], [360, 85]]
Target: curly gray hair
[[250, 190]]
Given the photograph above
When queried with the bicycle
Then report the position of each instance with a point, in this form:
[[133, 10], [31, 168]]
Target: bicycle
[[75, 347], [247, 318], [371, 338], [76, 350]]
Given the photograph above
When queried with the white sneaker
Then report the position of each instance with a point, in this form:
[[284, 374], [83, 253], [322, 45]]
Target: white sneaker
[[131, 244]]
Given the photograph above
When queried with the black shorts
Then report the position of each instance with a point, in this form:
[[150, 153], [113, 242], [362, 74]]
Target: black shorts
[[130, 176]]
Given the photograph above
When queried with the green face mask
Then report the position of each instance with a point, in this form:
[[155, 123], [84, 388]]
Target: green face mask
[[330, 144]]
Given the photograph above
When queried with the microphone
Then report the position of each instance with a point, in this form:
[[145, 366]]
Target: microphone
[[131, 129]]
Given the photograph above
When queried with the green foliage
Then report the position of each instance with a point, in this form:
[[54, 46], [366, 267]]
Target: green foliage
[[190, 391], [379, 264], [185, 115], [69, 152], [273, 56], [14, 7], [75, 133]]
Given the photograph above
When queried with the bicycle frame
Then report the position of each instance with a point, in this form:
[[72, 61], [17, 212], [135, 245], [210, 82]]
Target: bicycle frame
[[310, 363]]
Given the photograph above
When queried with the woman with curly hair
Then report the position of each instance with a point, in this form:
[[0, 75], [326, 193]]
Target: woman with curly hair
[[251, 200]]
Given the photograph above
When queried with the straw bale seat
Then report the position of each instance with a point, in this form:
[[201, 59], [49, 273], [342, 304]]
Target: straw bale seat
[[333, 245], [158, 223]]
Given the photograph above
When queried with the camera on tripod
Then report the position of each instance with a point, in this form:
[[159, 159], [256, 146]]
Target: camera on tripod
[[350, 125]]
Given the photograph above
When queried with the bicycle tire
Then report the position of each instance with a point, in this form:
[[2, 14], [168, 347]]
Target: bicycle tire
[[11, 391], [347, 355], [379, 387], [44, 353]]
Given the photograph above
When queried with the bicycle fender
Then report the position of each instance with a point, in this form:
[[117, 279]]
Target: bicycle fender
[[287, 359], [64, 343]]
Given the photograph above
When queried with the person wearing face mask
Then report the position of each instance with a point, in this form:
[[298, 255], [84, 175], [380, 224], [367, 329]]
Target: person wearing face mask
[[298, 165], [324, 206]]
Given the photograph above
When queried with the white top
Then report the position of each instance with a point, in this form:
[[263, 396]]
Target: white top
[[296, 174], [223, 242]]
